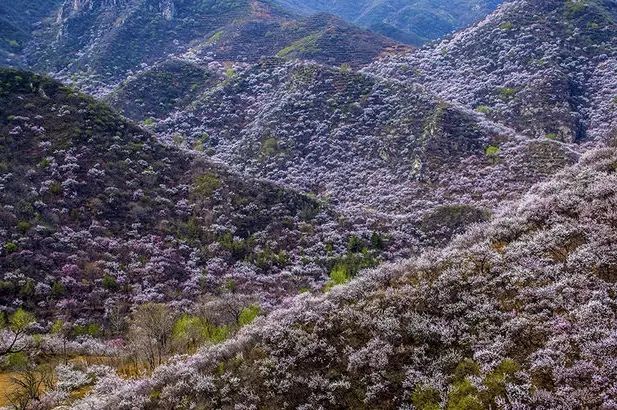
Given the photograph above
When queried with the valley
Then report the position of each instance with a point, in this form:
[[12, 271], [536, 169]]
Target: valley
[[241, 204]]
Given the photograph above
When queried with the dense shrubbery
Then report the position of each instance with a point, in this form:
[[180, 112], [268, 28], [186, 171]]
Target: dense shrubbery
[[379, 150]]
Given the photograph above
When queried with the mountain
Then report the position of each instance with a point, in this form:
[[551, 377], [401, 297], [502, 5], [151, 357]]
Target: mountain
[[96, 214], [321, 37], [542, 67], [411, 22], [517, 312], [98, 44]]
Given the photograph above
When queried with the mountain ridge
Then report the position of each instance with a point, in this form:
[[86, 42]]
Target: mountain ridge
[[409, 22], [98, 44]]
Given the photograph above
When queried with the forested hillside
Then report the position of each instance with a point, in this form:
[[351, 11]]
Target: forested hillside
[[97, 215], [518, 312], [543, 67]]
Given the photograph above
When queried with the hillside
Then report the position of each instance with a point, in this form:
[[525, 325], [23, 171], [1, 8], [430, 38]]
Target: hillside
[[321, 37], [379, 149], [542, 67], [166, 87], [98, 215], [411, 22], [518, 312], [98, 44]]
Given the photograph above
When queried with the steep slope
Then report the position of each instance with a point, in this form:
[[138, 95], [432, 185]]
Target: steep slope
[[96, 214], [18, 20], [412, 22], [543, 67], [374, 147], [98, 43], [520, 312]]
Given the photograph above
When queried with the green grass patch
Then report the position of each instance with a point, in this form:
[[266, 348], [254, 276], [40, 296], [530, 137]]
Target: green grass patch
[[205, 184], [506, 26], [305, 45]]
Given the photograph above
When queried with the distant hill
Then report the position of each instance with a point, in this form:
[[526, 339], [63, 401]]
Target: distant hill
[[411, 22], [98, 44], [18, 20]]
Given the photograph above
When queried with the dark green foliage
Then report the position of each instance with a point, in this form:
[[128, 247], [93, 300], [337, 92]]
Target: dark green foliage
[[110, 283], [16, 361], [445, 221], [484, 109], [492, 152], [495, 381], [355, 244], [464, 396], [27, 289], [248, 314], [57, 289], [269, 147], [206, 184], [10, 247], [90, 329], [466, 368], [23, 226], [377, 241], [507, 93], [268, 258], [239, 248]]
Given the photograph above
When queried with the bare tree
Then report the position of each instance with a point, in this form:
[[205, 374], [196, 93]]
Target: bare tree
[[29, 385], [13, 333], [150, 332]]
